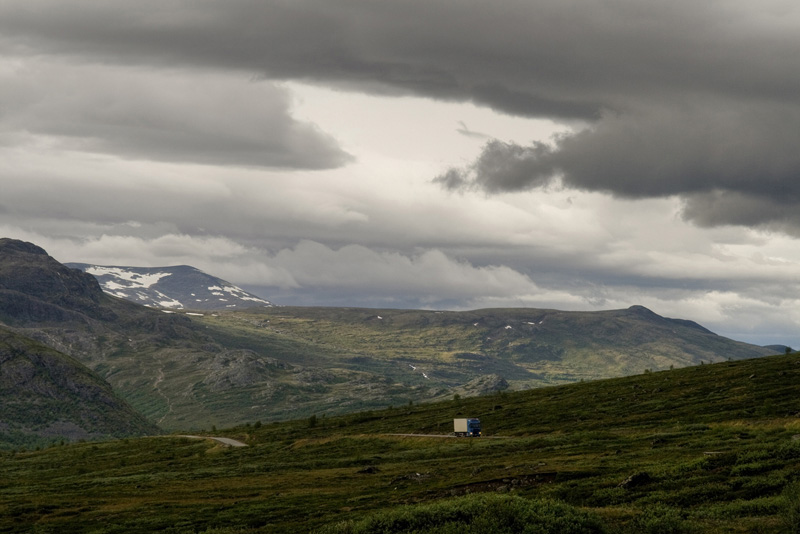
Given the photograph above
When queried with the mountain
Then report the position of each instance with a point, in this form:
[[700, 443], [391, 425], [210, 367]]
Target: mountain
[[780, 349], [133, 347], [168, 366], [48, 396], [525, 346], [189, 370], [179, 287], [36, 288]]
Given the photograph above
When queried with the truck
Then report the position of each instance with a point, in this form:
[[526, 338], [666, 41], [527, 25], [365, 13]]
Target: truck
[[469, 427]]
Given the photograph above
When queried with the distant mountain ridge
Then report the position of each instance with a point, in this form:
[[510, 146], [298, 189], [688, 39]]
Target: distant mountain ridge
[[191, 370], [176, 287]]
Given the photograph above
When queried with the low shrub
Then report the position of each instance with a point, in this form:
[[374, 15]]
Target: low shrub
[[660, 519], [790, 508], [476, 514], [751, 468], [789, 450], [758, 507], [609, 497]]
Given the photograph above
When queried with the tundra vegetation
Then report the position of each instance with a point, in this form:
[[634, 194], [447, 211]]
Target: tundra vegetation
[[703, 449]]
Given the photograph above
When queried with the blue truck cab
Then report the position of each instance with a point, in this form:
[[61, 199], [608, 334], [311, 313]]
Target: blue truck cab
[[470, 427]]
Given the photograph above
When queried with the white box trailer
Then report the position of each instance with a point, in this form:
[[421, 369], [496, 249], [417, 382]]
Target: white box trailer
[[468, 427]]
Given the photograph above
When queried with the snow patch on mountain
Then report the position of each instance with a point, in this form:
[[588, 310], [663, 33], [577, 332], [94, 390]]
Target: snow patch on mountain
[[178, 287], [125, 274]]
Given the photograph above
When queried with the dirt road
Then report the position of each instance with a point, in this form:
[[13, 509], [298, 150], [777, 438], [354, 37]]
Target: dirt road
[[441, 436], [225, 441]]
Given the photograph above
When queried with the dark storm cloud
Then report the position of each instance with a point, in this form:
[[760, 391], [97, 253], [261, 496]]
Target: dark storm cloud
[[569, 59], [438, 49], [503, 167], [731, 165], [659, 151], [681, 98], [173, 116], [716, 208]]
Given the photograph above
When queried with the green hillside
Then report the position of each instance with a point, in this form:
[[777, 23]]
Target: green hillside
[[47, 397], [705, 449], [527, 346]]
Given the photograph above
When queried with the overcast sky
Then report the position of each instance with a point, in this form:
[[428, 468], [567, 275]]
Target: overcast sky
[[444, 154]]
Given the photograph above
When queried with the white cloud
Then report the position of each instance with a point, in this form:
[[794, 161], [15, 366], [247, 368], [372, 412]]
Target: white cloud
[[429, 275]]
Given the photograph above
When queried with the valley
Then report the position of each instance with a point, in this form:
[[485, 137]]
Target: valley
[[620, 421], [194, 369], [399, 267], [711, 448]]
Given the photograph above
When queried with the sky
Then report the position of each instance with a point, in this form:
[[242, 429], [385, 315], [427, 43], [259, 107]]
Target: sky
[[437, 154]]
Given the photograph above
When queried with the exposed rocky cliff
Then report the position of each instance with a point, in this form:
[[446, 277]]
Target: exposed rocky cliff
[[35, 288]]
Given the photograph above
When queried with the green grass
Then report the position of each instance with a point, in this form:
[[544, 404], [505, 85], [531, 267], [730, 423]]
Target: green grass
[[706, 449], [477, 514]]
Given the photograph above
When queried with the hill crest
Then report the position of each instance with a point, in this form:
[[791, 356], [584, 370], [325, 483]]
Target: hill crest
[[34, 287]]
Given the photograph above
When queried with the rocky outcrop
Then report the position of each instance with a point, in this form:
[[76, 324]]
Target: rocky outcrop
[[236, 369], [35, 288]]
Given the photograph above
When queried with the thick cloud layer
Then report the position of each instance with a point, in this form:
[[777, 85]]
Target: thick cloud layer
[[732, 166], [176, 116], [679, 98]]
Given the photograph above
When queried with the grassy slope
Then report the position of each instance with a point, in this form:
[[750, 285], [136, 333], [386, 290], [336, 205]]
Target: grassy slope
[[717, 442], [528, 347]]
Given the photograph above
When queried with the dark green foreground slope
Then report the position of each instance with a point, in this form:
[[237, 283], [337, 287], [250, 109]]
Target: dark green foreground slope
[[712, 448]]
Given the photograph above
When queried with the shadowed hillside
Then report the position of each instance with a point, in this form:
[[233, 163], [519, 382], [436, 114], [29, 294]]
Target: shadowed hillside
[[48, 397]]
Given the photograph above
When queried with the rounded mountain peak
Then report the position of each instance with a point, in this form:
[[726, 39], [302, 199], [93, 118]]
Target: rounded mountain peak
[[33, 285], [8, 245]]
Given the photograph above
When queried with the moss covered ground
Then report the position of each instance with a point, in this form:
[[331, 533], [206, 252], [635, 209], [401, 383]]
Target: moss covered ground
[[710, 448]]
